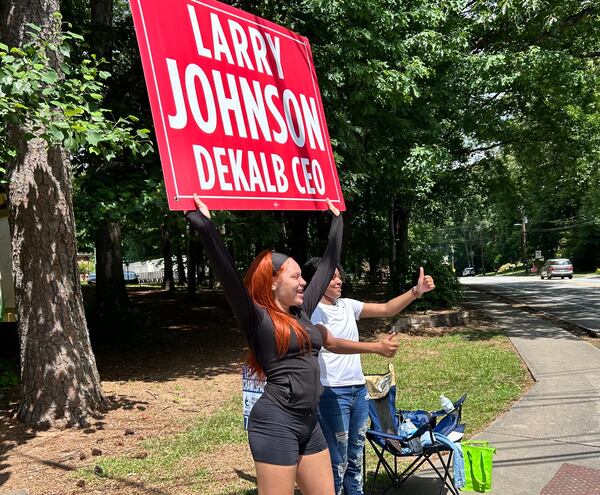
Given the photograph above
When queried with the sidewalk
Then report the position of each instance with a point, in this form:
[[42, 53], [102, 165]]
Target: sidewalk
[[556, 424]]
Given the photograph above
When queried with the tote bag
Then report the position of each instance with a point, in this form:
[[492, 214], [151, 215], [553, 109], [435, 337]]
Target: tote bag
[[478, 466]]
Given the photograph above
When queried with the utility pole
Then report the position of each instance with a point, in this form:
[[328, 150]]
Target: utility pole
[[524, 229], [523, 226]]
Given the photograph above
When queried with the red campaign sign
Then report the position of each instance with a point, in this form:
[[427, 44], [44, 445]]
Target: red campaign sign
[[236, 107]]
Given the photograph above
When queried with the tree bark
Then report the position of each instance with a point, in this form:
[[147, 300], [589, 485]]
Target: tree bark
[[181, 279], [192, 260], [110, 291], [101, 29], [110, 284], [399, 221], [60, 385], [168, 279], [373, 252]]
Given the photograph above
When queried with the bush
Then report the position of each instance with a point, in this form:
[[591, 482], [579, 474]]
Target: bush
[[448, 292], [8, 375], [506, 267]]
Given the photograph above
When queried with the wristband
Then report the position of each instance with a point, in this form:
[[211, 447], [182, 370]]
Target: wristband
[[416, 294]]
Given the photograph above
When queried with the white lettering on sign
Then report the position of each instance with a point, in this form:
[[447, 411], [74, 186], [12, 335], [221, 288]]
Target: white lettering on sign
[[251, 103], [242, 49], [308, 180], [265, 172]]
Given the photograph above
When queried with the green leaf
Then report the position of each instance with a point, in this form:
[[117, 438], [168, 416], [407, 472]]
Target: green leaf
[[72, 112], [75, 36], [93, 138], [50, 77], [56, 134], [65, 50], [33, 27]]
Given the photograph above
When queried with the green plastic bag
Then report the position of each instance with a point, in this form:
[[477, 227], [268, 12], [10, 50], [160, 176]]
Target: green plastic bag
[[478, 466]]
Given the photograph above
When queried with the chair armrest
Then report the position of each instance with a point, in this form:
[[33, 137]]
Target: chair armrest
[[382, 434], [460, 401], [417, 434]]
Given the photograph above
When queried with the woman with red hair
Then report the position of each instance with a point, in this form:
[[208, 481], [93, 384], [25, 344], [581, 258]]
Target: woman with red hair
[[273, 312]]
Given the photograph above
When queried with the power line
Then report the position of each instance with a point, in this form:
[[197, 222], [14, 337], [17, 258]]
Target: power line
[[565, 227]]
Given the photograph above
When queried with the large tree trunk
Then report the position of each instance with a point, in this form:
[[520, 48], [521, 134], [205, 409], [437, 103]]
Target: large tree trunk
[[111, 293], [181, 279], [60, 385], [168, 279], [102, 20], [399, 221], [192, 261], [373, 250]]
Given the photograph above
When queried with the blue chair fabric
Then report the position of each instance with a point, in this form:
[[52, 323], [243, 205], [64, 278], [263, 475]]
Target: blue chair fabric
[[389, 446]]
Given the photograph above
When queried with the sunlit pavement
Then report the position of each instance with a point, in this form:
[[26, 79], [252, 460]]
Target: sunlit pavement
[[576, 301]]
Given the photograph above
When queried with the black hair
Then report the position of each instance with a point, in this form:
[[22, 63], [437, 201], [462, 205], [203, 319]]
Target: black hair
[[310, 267]]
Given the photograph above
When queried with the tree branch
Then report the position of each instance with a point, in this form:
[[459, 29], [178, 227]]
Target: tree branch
[[567, 23], [492, 36]]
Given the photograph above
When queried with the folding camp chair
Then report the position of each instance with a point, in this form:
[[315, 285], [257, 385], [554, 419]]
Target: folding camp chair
[[385, 440]]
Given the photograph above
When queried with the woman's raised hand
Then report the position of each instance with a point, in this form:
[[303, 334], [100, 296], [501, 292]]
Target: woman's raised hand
[[200, 205], [333, 209], [425, 283]]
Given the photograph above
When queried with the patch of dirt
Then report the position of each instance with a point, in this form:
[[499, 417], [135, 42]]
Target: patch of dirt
[[183, 362]]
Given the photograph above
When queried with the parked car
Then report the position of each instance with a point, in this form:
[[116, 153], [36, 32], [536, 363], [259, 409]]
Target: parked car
[[560, 267], [469, 272], [129, 277]]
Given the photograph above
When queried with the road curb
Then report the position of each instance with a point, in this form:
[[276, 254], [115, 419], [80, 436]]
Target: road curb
[[560, 322]]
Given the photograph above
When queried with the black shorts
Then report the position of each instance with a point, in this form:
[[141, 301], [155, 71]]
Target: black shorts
[[279, 436]]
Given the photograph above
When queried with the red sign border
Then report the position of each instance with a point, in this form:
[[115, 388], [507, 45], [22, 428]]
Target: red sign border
[[161, 128]]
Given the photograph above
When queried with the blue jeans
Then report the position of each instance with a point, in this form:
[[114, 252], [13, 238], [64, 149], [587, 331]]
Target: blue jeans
[[343, 414]]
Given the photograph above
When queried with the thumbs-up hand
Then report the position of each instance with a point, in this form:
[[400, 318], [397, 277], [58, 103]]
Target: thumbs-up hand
[[388, 346], [425, 283]]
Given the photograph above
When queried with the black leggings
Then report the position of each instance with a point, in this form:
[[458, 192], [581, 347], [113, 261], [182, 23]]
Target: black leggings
[[280, 436]]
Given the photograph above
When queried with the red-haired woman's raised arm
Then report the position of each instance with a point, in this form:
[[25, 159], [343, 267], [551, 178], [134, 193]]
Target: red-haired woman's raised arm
[[329, 261], [223, 265]]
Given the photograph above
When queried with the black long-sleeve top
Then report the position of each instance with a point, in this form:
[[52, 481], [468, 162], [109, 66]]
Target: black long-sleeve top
[[293, 378]]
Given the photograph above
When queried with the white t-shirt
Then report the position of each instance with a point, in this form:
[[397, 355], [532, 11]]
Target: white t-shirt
[[340, 370]]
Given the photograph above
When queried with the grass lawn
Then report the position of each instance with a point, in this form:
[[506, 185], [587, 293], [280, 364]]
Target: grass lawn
[[478, 360]]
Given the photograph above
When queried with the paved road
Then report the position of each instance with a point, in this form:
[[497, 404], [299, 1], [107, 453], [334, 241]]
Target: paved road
[[576, 300]]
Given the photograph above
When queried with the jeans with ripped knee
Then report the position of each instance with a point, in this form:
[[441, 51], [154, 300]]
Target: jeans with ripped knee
[[343, 414]]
